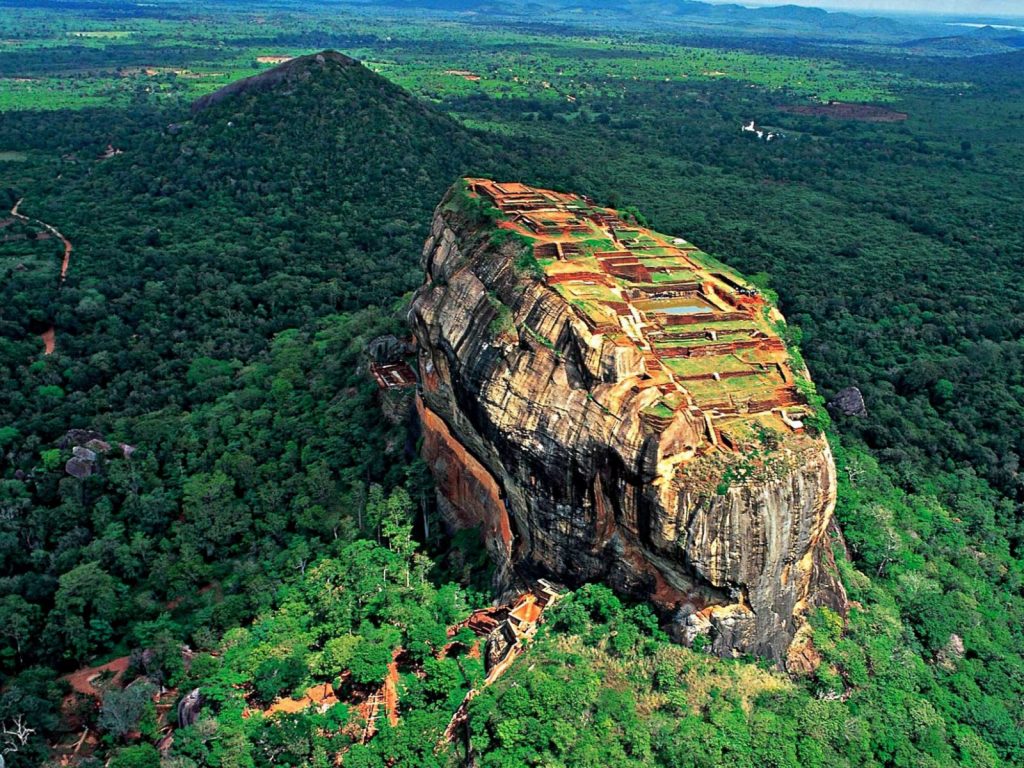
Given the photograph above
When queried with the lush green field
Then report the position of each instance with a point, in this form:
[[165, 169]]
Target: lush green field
[[421, 55]]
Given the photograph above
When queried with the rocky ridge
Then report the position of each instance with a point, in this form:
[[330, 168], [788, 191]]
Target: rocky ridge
[[550, 432]]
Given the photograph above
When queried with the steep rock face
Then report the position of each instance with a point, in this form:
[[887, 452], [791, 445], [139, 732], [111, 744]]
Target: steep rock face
[[471, 495], [538, 429]]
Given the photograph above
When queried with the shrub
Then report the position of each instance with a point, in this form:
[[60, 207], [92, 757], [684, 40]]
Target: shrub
[[140, 756]]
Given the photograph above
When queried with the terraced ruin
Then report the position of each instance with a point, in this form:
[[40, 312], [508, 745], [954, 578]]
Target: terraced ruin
[[708, 338]]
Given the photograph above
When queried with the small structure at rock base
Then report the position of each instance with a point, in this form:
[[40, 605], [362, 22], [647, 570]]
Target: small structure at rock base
[[393, 375], [519, 626], [505, 642]]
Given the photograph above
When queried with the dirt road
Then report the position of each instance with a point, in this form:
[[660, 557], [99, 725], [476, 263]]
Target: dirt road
[[49, 336], [53, 231]]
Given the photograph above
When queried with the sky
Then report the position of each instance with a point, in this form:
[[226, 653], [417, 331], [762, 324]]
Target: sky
[[972, 8]]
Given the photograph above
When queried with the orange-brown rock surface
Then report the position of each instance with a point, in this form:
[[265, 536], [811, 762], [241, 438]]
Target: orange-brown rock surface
[[549, 431]]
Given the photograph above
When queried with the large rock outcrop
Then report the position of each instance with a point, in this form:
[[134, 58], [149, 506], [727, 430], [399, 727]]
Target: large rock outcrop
[[605, 448]]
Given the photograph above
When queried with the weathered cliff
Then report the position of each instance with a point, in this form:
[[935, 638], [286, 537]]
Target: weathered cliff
[[550, 430]]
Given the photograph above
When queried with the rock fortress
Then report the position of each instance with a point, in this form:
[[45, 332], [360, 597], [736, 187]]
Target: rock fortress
[[610, 403]]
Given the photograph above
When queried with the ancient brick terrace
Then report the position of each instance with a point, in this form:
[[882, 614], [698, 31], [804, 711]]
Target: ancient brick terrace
[[706, 335]]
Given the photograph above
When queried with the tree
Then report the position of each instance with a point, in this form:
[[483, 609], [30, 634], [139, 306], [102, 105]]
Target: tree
[[122, 710], [138, 756], [335, 657], [160, 649], [19, 620], [370, 659], [14, 735], [275, 677], [86, 604], [217, 518], [443, 681]]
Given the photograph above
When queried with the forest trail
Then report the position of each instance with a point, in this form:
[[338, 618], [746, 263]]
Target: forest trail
[[390, 692], [49, 336], [52, 230]]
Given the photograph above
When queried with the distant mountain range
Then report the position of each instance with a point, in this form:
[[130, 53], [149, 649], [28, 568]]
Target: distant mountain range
[[700, 16], [972, 42]]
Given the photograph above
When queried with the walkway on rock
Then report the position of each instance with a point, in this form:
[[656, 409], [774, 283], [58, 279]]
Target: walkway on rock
[[49, 335], [519, 625]]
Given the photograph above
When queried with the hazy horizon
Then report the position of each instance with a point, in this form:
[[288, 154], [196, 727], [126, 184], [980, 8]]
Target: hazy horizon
[[975, 9]]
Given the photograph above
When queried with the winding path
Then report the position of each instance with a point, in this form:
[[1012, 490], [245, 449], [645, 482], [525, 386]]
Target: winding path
[[49, 336]]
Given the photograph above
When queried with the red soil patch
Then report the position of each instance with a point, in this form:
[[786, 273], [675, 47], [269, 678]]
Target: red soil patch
[[391, 693], [465, 74], [67, 257], [82, 680], [841, 111], [320, 695], [49, 337]]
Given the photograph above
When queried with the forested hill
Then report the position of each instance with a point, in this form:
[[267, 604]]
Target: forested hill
[[288, 74], [267, 209], [200, 324]]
